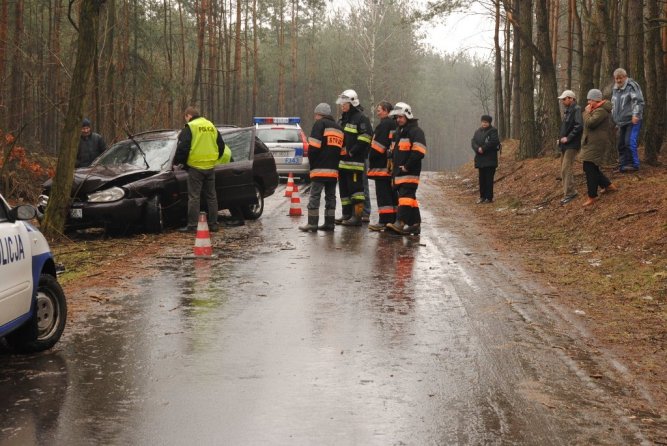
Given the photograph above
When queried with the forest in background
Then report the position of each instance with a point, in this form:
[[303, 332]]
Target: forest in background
[[135, 64]]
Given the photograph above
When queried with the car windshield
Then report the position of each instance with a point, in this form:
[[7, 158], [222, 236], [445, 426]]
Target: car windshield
[[158, 153], [279, 135]]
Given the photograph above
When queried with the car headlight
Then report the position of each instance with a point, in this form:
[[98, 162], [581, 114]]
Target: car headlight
[[107, 195]]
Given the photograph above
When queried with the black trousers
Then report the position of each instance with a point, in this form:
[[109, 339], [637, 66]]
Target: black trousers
[[408, 207], [594, 178], [486, 175], [351, 189], [387, 199]]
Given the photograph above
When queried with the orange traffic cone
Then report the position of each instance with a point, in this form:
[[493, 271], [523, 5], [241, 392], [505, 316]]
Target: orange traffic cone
[[203, 240], [290, 186], [295, 206]]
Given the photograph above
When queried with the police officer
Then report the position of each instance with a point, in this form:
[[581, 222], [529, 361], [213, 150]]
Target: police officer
[[324, 146], [409, 150], [378, 168], [357, 130], [199, 147]]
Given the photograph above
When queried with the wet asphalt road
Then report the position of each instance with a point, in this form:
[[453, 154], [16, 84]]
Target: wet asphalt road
[[350, 338]]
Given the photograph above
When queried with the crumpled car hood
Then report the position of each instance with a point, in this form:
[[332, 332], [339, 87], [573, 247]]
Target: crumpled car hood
[[91, 179]]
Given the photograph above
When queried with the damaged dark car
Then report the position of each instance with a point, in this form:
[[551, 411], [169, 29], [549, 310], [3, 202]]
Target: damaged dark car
[[132, 185]]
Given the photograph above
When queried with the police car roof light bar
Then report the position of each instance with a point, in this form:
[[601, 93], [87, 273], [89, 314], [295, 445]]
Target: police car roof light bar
[[276, 120]]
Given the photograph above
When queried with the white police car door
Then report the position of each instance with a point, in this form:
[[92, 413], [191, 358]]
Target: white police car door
[[15, 268]]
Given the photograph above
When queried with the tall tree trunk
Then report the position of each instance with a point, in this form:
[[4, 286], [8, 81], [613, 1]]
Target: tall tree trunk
[[529, 145], [15, 111], [517, 56], [592, 50], [59, 200], [237, 63], [255, 58], [169, 52], [281, 58], [200, 7], [550, 118], [4, 24], [499, 74], [654, 118], [508, 79]]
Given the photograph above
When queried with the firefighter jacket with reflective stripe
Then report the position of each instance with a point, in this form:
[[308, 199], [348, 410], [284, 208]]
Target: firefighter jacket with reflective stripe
[[409, 150], [357, 130], [324, 147], [199, 144], [380, 146]]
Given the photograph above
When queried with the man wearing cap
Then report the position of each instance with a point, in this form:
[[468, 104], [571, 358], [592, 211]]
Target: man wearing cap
[[324, 146], [486, 144], [91, 145], [569, 142]]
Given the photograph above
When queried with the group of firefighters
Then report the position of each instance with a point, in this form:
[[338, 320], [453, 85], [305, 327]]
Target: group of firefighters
[[338, 151]]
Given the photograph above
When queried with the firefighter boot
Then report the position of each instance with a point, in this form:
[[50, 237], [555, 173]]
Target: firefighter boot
[[312, 224], [339, 221], [329, 224], [413, 229], [397, 227], [355, 220]]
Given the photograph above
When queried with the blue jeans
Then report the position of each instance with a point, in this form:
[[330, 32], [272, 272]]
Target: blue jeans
[[628, 137]]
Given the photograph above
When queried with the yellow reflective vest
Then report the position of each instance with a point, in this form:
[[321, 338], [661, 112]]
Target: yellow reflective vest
[[204, 147]]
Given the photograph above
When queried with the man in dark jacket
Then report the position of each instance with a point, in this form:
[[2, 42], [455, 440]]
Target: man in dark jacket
[[569, 141], [407, 154], [91, 145], [324, 146], [357, 130], [485, 143], [379, 169]]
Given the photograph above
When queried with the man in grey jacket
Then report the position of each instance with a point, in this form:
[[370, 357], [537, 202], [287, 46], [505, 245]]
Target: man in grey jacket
[[628, 106]]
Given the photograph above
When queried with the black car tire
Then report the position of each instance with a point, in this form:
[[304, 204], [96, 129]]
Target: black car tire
[[254, 211], [153, 215], [47, 324]]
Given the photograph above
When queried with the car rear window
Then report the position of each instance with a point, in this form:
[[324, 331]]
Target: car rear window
[[279, 135]]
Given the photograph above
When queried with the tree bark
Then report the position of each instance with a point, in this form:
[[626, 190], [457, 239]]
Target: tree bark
[[528, 147], [59, 201], [499, 74], [656, 110]]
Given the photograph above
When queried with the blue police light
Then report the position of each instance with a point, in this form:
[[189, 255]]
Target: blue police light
[[276, 120]]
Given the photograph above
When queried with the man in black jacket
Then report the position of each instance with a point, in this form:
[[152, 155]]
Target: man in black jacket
[[569, 141], [485, 143], [91, 145]]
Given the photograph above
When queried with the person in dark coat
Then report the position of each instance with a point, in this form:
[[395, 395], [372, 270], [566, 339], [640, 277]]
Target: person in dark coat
[[485, 143], [91, 145], [569, 142], [597, 122]]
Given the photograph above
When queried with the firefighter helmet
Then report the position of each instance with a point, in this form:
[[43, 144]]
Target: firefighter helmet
[[402, 109], [348, 96]]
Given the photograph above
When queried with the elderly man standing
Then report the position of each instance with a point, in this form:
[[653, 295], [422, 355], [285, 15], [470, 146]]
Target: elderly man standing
[[569, 141], [628, 106]]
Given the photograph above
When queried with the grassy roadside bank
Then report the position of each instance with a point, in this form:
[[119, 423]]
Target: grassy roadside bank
[[610, 261]]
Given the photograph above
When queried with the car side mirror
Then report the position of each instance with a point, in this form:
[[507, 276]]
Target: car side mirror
[[22, 212]]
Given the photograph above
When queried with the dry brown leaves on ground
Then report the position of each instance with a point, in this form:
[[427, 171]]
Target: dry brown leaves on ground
[[609, 260]]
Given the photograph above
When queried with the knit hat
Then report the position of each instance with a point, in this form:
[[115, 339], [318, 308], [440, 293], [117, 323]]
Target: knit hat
[[487, 118], [323, 109], [85, 122], [594, 94]]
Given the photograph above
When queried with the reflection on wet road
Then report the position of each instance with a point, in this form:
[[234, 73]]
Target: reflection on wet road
[[350, 338]]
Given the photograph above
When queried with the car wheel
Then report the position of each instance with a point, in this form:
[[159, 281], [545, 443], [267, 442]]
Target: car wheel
[[48, 321], [254, 211], [153, 215]]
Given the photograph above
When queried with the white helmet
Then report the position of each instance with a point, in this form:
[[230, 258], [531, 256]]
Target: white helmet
[[402, 109], [348, 96]]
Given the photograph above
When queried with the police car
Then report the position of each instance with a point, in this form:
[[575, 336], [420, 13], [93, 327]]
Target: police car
[[33, 309], [287, 142]]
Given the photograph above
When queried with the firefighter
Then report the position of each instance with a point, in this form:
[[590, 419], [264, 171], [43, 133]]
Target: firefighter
[[324, 146], [409, 150], [379, 168], [357, 130]]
